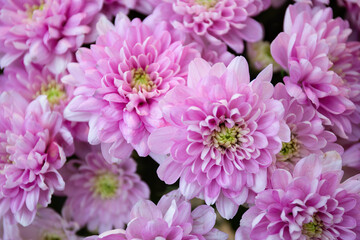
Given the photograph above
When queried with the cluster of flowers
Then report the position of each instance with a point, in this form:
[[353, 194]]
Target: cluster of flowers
[[83, 87]]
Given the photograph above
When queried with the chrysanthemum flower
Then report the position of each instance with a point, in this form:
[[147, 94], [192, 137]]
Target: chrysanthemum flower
[[347, 66], [307, 132], [209, 51], [224, 133], [45, 32], [47, 225], [33, 81], [311, 203], [228, 21], [31, 136], [120, 80], [100, 194], [170, 219], [313, 48]]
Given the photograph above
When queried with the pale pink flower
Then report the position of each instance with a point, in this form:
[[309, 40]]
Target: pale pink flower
[[121, 79], [170, 219], [224, 133], [310, 203], [347, 66], [33, 81], [308, 135], [313, 48], [31, 136], [228, 21], [210, 51], [45, 32], [100, 194], [47, 225]]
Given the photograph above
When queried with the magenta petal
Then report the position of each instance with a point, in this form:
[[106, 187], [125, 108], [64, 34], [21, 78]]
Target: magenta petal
[[147, 210], [159, 141], [226, 207], [197, 70], [169, 171], [281, 179], [279, 49], [204, 219]]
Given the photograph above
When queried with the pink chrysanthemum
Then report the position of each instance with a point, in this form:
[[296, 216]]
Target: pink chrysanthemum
[[228, 21], [45, 32], [210, 51], [100, 194], [47, 225], [307, 132], [311, 203], [170, 219], [31, 136], [224, 133], [121, 79], [33, 81], [313, 48], [347, 66]]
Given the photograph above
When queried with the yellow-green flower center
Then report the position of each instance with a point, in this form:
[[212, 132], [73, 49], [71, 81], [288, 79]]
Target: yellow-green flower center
[[289, 149], [54, 91], [51, 236], [105, 185], [31, 9], [313, 229], [226, 137], [141, 79], [207, 3]]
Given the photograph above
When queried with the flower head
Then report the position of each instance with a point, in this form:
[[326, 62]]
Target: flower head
[[100, 194], [31, 136], [308, 135], [311, 203], [32, 82], [121, 80], [313, 48], [170, 219], [228, 21], [45, 32], [224, 133]]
